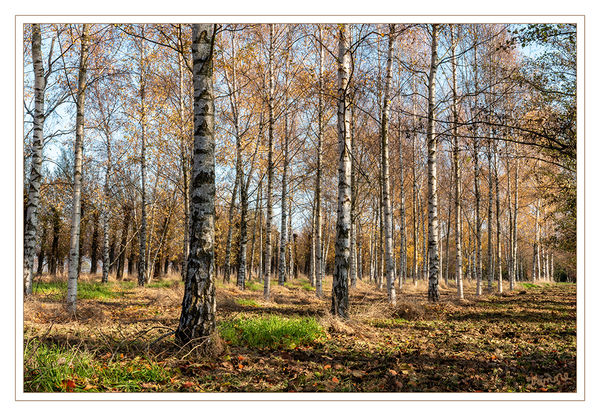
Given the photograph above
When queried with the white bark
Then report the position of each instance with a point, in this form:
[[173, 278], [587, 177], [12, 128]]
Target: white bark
[[267, 265], [457, 175], [433, 292], [35, 176], [199, 303], [339, 292], [76, 215], [385, 167], [318, 220], [142, 266]]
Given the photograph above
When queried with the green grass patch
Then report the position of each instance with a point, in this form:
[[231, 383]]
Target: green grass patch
[[389, 323], [271, 331], [529, 285], [51, 368], [162, 283], [254, 286], [299, 284], [57, 290], [247, 302]]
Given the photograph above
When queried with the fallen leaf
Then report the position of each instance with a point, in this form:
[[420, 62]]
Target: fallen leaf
[[335, 380]]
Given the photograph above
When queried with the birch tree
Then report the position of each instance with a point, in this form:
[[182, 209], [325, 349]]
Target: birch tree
[[385, 168], [199, 303], [433, 292], [79, 132], [339, 291], [457, 173], [268, 231], [35, 176], [318, 211]]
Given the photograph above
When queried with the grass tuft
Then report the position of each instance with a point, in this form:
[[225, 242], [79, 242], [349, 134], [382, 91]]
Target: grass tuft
[[247, 302], [272, 331]]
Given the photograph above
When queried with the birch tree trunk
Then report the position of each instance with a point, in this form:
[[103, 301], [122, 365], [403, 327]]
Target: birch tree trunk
[[283, 235], [339, 291], [105, 215], [515, 232], [457, 174], [142, 266], [354, 192], [268, 236], [433, 292], [498, 242], [385, 168], [414, 201], [94, 247], [238, 184], [35, 176], [313, 246], [184, 167], [241, 272], [199, 304], [254, 228], [535, 275], [490, 271], [403, 249], [318, 232], [76, 215]]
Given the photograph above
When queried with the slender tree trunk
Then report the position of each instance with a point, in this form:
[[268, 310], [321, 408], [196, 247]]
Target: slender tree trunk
[[313, 245], [385, 168], [76, 216], [142, 266], [241, 273], [283, 236], [184, 166], [35, 176], [199, 303], [42, 252], [498, 243], [403, 248], [53, 263], [339, 291], [318, 233], [267, 271], [354, 192], [535, 275], [94, 247], [515, 224], [457, 175], [254, 227], [490, 270], [123, 245], [433, 292]]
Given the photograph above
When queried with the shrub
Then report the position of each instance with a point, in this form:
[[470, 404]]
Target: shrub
[[271, 331]]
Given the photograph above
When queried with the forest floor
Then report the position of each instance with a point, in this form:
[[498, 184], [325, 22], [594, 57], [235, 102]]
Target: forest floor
[[122, 340]]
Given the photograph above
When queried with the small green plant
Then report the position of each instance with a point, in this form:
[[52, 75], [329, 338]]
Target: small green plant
[[247, 302], [253, 286], [529, 285], [271, 331], [389, 323]]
